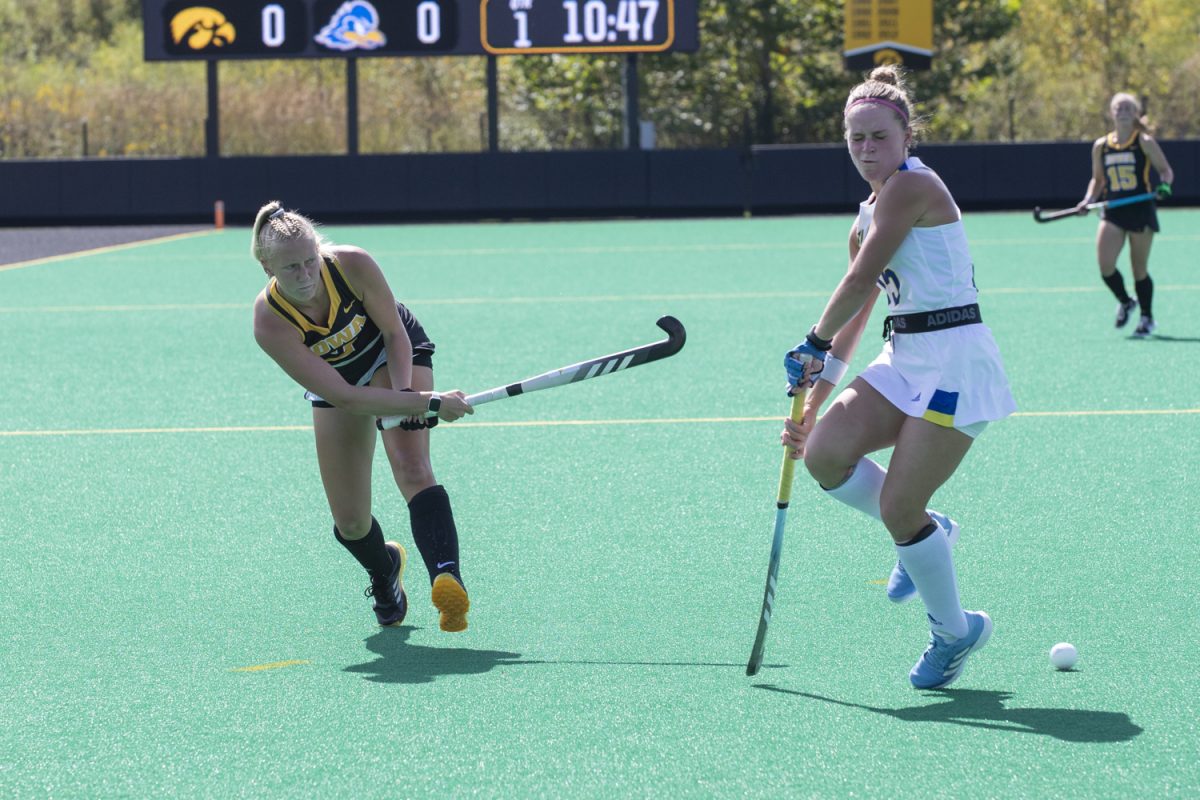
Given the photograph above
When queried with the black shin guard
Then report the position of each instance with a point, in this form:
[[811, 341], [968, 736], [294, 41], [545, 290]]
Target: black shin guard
[[1116, 284], [1145, 295], [434, 532], [369, 550]]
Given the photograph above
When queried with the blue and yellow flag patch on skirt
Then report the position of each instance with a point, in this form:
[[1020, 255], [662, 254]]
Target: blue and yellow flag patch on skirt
[[941, 408]]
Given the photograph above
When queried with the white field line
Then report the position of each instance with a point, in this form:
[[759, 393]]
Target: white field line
[[1140, 412], [556, 299]]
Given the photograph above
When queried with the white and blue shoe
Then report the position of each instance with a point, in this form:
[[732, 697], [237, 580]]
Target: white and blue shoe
[[900, 588], [943, 661]]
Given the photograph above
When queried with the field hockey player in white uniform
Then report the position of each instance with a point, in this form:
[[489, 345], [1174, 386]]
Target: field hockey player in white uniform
[[932, 390]]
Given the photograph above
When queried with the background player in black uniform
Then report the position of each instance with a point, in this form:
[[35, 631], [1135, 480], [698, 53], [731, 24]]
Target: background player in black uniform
[[329, 319], [1121, 162]]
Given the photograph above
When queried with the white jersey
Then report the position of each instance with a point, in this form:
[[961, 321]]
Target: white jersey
[[953, 377], [932, 268]]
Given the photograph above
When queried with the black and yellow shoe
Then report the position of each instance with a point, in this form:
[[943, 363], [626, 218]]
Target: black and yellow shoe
[[450, 597], [391, 604]]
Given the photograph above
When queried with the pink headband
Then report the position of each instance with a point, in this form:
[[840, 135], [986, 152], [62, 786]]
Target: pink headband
[[879, 101]]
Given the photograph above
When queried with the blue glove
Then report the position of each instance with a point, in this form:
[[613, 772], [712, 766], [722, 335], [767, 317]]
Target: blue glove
[[813, 348]]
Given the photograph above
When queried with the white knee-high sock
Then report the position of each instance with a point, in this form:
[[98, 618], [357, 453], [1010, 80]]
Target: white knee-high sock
[[930, 564], [861, 490]]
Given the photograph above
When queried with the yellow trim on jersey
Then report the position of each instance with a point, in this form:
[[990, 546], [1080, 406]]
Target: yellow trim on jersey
[[938, 418], [297, 317], [1112, 140], [357, 295]]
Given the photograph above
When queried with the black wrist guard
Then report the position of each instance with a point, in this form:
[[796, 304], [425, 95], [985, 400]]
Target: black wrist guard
[[816, 341]]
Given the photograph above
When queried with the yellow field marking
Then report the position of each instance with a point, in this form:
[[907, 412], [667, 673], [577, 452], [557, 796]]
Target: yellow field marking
[[597, 298], [272, 665], [125, 431], [552, 423], [160, 307], [878, 582], [33, 262]]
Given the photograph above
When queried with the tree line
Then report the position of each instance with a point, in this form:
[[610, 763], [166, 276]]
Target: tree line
[[73, 82]]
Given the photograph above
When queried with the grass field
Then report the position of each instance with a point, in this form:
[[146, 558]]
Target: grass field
[[179, 621]]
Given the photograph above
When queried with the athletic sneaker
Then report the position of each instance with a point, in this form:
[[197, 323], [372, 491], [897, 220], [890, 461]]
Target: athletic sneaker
[[1145, 327], [1124, 309], [900, 588], [391, 604], [450, 597], [943, 661]]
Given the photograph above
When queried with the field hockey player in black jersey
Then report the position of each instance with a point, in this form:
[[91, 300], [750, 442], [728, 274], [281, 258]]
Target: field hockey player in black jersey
[[328, 318], [1121, 161]]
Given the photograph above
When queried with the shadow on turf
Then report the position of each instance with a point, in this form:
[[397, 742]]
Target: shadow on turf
[[402, 662], [977, 708], [1154, 337]]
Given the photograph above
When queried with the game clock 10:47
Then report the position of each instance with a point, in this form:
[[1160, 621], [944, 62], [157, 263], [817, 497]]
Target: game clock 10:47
[[207, 29], [511, 27]]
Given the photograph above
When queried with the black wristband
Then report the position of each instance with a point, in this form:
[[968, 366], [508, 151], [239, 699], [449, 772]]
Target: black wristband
[[435, 403], [816, 341]]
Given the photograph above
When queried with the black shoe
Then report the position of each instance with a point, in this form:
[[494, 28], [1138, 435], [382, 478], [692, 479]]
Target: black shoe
[[1124, 309], [391, 604]]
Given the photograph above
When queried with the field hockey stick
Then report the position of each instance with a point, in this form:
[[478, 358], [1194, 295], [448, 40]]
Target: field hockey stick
[[1050, 216], [781, 507], [574, 373]]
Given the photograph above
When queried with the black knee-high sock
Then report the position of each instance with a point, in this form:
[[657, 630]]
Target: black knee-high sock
[[434, 531], [1116, 283], [1145, 294], [369, 550]]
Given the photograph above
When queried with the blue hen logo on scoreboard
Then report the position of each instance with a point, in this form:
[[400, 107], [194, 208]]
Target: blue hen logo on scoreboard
[[354, 26]]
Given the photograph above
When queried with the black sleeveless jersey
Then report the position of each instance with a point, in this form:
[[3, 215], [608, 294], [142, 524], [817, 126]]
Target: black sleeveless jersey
[[1126, 168], [347, 338]]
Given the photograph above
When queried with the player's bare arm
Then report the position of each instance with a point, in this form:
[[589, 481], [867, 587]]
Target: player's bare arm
[[367, 278], [283, 343], [903, 201], [1095, 186], [845, 343], [1158, 159]]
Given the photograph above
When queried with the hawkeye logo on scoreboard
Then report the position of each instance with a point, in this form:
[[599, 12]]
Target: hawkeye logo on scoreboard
[[354, 26], [225, 28], [201, 28], [888, 32]]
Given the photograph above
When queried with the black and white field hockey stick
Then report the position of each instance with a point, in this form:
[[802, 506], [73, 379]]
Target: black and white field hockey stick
[[594, 368], [1050, 216], [781, 507]]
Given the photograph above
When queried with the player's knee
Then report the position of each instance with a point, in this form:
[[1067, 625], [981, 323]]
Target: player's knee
[[412, 473], [823, 461], [352, 527]]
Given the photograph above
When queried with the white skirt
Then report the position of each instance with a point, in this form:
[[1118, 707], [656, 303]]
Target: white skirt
[[954, 377]]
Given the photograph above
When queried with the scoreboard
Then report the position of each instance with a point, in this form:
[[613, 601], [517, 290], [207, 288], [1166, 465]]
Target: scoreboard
[[629, 26], [220, 29], [888, 32]]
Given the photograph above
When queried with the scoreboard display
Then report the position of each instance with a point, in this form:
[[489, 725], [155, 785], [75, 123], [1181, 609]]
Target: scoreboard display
[[578, 26], [220, 29], [888, 32]]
